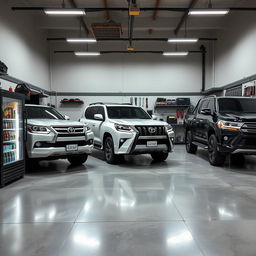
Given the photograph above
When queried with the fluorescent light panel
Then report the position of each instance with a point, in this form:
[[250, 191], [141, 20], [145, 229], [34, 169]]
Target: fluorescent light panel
[[81, 40], [64, 12], [87, 53], [208, 11], [175, 53], [183, 40]]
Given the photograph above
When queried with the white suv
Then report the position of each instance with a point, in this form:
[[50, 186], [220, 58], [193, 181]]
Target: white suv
[[51, 136], [123, 129]]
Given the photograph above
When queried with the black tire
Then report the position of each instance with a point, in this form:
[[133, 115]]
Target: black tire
[[31, 164], [215, 157], [109, 151], [237, 159], [159, 157], [190, 147], [78, 159]]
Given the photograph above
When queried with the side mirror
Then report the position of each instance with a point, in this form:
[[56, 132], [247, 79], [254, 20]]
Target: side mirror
[[206, 112], [67, 117], [98, 117], [154, 117]]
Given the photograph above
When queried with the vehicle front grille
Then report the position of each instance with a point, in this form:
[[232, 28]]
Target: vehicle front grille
[[69, 131], [249, 128], [151, 130]]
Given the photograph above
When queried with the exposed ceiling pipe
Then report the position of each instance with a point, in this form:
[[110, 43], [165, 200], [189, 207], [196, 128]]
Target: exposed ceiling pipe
[[80, 19], [185, 16], [127, 39], [158, 2], [165, 9], [107, 15]]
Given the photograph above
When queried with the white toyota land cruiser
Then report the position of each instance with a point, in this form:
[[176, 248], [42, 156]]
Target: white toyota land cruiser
[[123, 129], [51, 136]]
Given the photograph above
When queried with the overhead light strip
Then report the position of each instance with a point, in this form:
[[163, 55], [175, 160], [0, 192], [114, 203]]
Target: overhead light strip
[[87, 53], [71, 12], [208, 12], [183, 40], [81, 40], [175, 53]]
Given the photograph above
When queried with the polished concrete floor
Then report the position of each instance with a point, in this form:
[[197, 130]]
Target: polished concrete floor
[[181, 207]]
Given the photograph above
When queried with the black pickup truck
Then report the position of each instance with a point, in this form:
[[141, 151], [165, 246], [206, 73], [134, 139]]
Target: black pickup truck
[[223, 125]]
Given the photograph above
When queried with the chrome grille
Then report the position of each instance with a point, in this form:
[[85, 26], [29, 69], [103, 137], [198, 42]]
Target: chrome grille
[[151, 130], [69, 131], [249, 128]]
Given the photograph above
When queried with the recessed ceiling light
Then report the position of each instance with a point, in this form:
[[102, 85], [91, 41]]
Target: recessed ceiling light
[[175, 53], [64, 12], [87, 53], [81, 40], [208, 11], [183, 40]]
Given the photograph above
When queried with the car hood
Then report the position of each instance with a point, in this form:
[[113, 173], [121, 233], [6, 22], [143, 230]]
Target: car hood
[[53, 122], [239, 117], [133, 122]]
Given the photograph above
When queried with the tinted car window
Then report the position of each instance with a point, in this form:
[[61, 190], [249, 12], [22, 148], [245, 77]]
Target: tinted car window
[[101, 111], [211, 105], [88, 113], [203, 105], [127, 113], [237, 105], [43, 113]]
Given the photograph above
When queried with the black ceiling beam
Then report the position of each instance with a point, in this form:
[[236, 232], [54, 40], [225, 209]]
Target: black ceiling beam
[[127, 9], [107, 52], [185, 16], [127, 39]]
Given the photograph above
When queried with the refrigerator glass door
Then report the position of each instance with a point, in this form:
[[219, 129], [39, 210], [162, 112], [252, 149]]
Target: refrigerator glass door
[[12, 130]]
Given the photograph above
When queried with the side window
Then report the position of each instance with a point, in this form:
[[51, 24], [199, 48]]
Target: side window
[[203, 105], [101, 110], [88, 113], [211, 105]]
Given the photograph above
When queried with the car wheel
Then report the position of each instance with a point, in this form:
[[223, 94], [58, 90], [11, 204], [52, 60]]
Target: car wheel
[[190, 147], [109, 151], [159, 157], [215, 157], [78, 159], [31, 164]]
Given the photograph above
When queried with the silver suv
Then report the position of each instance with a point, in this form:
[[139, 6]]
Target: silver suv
[[51, 136], [122, 129]]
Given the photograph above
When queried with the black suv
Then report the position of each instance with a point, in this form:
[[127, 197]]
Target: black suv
[[223, 125]]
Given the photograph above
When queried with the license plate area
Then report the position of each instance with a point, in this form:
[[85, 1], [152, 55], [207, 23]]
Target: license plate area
[[151, 143], [71, 147]]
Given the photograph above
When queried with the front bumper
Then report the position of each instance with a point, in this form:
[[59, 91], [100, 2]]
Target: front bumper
[[235, 142], [52, 146], [132, 143]]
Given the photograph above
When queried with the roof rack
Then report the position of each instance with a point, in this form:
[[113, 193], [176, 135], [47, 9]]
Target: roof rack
[[109, 103]]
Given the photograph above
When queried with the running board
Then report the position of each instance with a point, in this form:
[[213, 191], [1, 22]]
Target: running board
[[201, 145]]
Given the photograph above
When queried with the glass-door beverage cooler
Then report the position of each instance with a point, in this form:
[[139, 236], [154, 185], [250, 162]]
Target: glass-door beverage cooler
[[12, 137]]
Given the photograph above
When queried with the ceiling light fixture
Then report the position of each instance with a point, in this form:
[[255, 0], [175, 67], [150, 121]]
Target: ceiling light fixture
[[175, 53], [81, 40], [87, 53], [183, 40], [208, 11], [64, 11]]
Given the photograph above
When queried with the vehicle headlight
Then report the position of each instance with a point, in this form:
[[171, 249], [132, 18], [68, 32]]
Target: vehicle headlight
[[123, 128], [38, 129], [229, 125], [168, 128]]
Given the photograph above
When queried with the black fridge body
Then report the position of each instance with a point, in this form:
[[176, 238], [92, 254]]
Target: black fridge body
[[12, 137]]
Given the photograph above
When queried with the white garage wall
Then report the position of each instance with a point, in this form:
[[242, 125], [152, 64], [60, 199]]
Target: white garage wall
[[236, 49], [123, 73], [23, 48]]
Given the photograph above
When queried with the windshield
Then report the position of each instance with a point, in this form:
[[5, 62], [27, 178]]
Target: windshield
[[237, 105], [43, 113], [127, 113]]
